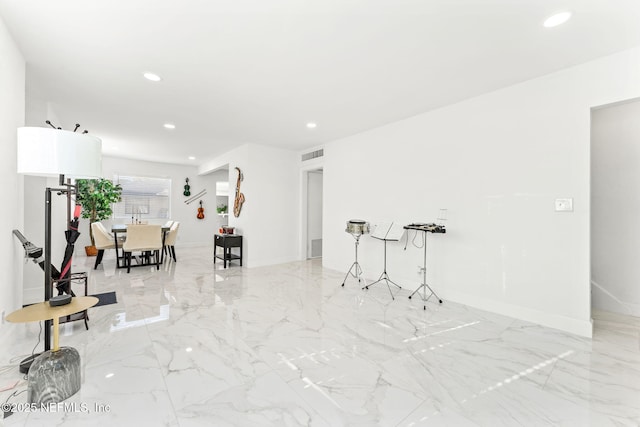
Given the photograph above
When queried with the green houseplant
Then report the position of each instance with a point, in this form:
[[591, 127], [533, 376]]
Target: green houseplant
[[96, 197]]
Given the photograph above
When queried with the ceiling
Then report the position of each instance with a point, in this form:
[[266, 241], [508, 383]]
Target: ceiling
[[256, 71]]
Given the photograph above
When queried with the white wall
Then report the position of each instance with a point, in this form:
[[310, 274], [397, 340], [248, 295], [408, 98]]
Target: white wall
[[12, 107], [33, 229], [226, 163], [269, 221], [193, 231], [615, 208], [497, 162]]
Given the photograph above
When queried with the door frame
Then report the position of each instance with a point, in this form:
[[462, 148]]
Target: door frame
[[304, 222]]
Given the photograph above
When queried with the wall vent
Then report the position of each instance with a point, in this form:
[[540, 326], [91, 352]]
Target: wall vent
[[313, 155], [316, 248]]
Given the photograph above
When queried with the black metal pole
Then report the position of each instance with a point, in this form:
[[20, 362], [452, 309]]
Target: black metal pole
[[47, 264], [385, 256], [68, 186], [424, 264]]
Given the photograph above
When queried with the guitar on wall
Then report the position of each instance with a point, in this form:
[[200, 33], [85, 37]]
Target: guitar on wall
[[187, 189], [200, 211]]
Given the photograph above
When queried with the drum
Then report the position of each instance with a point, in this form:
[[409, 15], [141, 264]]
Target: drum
[[357, 227]]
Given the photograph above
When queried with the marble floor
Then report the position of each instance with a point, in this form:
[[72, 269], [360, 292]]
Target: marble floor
[[193, 345]]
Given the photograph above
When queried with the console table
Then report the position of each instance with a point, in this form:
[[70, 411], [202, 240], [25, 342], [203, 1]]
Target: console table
[[226, 242]]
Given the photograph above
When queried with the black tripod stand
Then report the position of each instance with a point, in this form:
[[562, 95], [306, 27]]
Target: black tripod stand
[[384, 276], [357, 270], [426, 228]]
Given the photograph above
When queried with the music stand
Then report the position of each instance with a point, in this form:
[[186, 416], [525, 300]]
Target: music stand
[[425, 228], [387, 232]]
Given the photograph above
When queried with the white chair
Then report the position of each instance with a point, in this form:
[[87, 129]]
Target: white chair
[[170, 240], [143, 238], [104, 240], [166, 227]]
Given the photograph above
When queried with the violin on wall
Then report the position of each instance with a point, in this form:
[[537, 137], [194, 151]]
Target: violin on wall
[[187, 189], [200, 211]]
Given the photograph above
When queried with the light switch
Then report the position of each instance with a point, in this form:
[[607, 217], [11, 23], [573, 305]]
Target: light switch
[[564, 205]]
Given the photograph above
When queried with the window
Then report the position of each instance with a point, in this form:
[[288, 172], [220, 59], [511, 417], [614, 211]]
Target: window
[[143, 198]]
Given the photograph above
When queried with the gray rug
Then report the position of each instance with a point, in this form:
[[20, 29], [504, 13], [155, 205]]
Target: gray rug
[[105, 298]]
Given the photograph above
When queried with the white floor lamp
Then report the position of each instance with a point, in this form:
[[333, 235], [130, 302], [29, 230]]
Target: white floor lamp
[[54, 152]]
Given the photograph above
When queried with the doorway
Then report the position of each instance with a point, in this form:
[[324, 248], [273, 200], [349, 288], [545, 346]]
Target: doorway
[[615, 208], [314, 213], [222, 200]]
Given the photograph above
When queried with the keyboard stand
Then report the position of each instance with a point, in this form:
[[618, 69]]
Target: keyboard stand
[[427, 228]]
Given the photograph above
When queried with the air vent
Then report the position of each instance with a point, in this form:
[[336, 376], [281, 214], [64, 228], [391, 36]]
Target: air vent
[[313, 155], [316, 248]]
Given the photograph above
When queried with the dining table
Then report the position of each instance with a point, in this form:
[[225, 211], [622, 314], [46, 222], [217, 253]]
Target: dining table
[[122, 229]]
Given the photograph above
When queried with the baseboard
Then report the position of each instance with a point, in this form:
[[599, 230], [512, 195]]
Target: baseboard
[[269, 261], [207, 244], [602, 299], [568, 324]]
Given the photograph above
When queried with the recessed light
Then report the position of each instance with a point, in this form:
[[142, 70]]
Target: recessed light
[[169, 126], [191, 158], [311, 125], [153, 77], [557, 19]]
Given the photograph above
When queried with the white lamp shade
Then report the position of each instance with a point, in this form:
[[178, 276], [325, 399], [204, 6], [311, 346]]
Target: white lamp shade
[[52, 152]]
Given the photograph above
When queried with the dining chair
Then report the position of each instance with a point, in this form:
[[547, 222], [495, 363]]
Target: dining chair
[[143, 238], [167, 226], [104, 240], [170, 241]]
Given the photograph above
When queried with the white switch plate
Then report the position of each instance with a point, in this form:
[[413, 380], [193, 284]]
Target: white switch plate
[[564, 205]]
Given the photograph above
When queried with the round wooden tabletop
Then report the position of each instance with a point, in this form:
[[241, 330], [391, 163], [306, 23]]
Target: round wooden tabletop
[[43, 311]]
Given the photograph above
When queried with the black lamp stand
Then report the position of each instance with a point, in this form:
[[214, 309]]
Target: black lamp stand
[[68, 190]]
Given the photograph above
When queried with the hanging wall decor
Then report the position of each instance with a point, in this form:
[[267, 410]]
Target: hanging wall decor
[[187, 188], [200, 211], [195, 197], [239, 200]]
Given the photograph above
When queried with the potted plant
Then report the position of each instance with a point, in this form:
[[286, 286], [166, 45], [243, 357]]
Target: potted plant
[[96, 197], [221, 208]]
